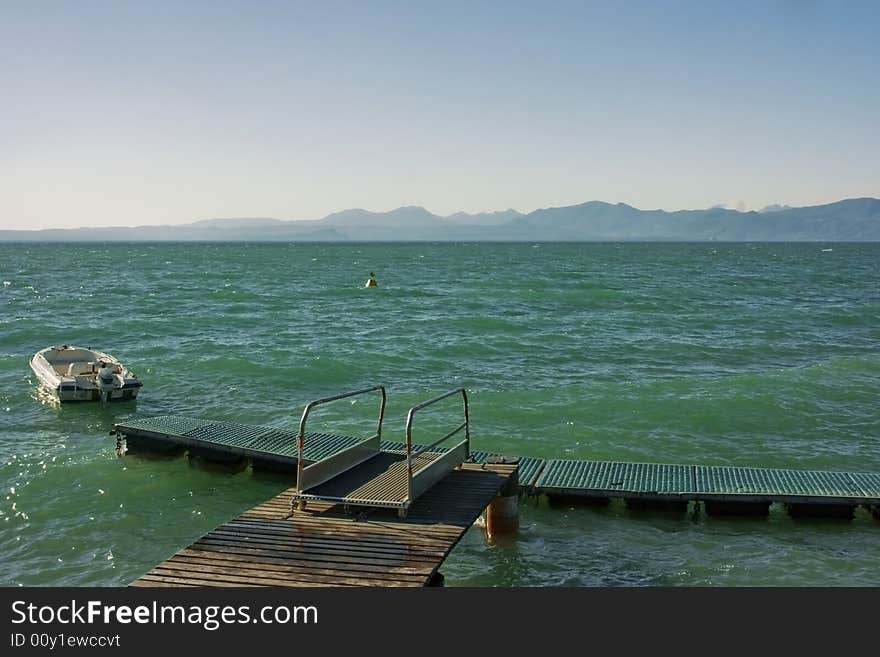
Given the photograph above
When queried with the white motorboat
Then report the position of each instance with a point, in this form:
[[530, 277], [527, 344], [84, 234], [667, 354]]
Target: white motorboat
[[84, 374]]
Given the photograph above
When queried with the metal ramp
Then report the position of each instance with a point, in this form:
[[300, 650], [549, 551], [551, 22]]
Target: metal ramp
[[363, 474]]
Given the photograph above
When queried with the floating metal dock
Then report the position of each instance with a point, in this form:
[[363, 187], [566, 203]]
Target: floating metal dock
[[263, 444], [711, 484], [267, 445], [271, 545], [714, 485]]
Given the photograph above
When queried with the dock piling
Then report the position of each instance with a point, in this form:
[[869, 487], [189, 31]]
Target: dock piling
[[502, 514]]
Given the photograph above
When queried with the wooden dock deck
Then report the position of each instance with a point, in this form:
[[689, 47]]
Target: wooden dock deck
[[271, 545]]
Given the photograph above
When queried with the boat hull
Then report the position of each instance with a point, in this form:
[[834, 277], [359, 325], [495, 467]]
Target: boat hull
[[66, 395]]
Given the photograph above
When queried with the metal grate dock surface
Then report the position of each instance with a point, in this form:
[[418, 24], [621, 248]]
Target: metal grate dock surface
[[235, 438], [868, 483], [379, 481], [609, 477], [756, 481], [529, 470], [699, 482]]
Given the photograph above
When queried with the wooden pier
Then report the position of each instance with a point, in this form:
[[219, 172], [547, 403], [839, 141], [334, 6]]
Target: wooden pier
[[371, 512], [271, 545]]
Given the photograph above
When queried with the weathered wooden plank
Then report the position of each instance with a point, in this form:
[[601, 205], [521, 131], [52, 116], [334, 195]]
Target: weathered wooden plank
[[225, 558], [329, 544], [377, 527], [367, 542], [296, 552], [372, 534], [343, 548], [166, 580], [144, 582], [261, 575], [255, 557], [215, 579]]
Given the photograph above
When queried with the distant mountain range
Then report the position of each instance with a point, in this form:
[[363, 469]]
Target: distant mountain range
[[856, 220]]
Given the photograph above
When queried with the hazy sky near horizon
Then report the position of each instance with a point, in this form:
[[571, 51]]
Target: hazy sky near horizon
[[129, 113]]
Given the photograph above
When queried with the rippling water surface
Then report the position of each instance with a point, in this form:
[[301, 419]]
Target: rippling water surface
[[719, 354]]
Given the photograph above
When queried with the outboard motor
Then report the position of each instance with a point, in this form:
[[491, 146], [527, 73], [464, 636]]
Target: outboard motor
[[105, 379]]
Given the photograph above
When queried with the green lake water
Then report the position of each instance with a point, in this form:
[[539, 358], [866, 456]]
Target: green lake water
[[762, 355]]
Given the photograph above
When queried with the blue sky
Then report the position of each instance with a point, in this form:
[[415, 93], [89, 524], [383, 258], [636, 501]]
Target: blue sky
[[118, 113]]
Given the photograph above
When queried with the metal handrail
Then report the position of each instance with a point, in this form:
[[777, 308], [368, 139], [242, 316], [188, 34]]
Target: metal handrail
[[300, 438], [409, 422]]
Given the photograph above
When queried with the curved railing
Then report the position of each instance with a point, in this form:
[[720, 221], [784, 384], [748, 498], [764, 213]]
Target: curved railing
[[455, 453], [321, 471]]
